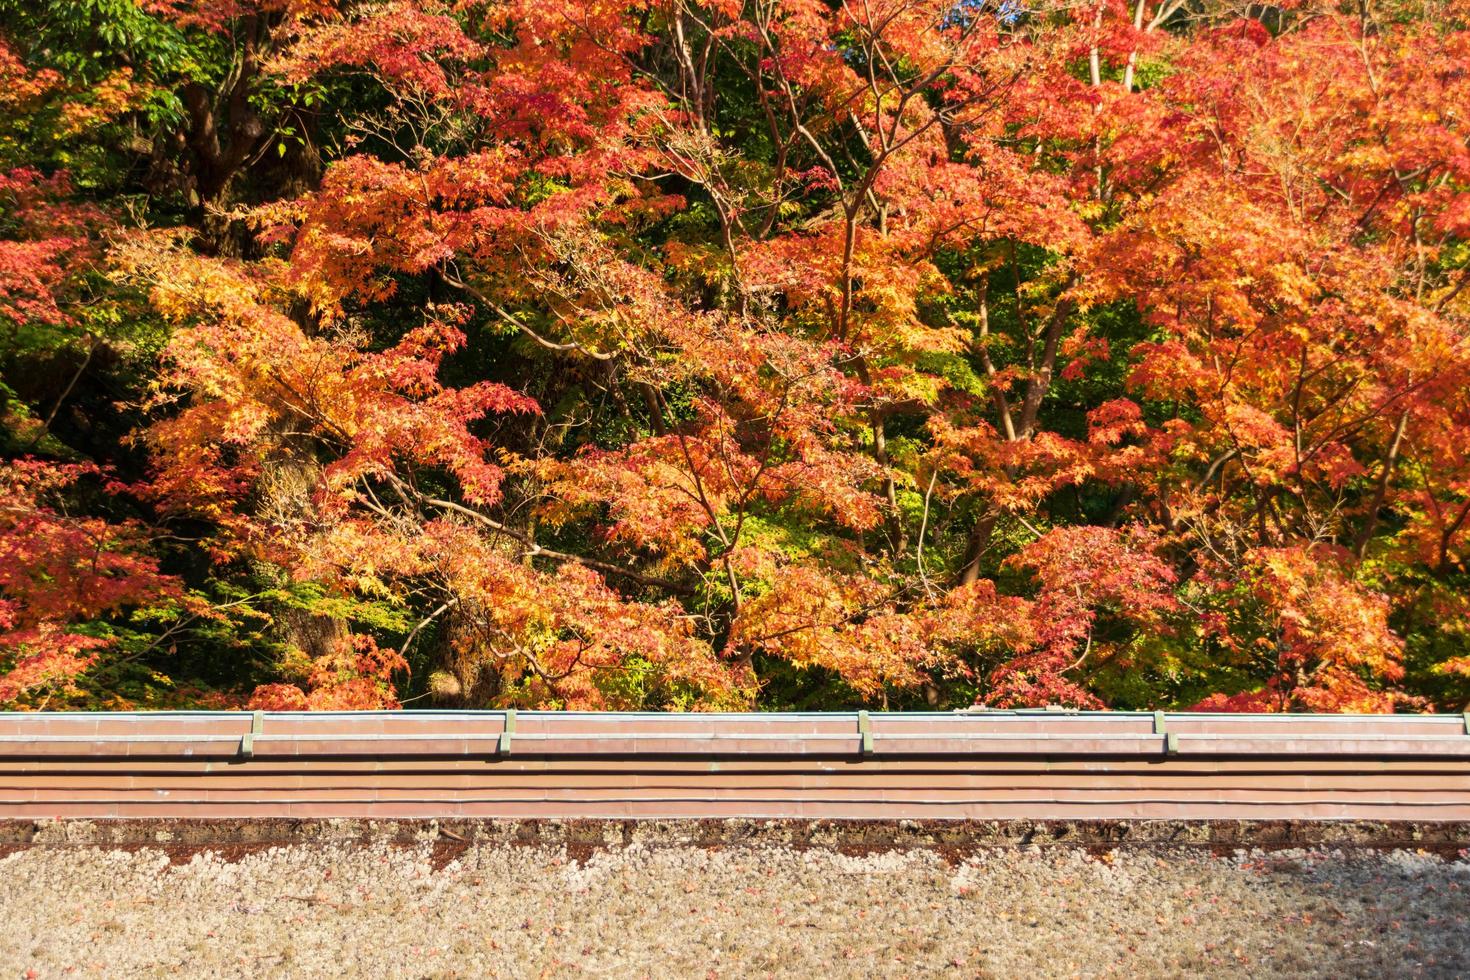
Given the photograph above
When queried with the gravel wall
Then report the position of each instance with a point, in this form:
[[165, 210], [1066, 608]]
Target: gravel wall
[[427, 902]]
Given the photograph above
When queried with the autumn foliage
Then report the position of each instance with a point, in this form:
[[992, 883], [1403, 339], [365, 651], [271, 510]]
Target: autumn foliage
[[745, 353]]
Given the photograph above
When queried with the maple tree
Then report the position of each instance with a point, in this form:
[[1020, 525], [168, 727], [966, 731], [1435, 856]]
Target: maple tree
[[741, 353], [60, 574]]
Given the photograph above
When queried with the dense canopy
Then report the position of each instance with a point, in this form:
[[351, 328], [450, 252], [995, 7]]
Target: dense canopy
[[735, 354]]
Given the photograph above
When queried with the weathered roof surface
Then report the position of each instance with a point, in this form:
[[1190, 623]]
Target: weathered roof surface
[[971, 765]]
